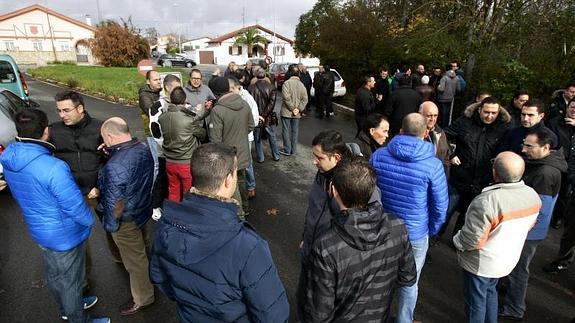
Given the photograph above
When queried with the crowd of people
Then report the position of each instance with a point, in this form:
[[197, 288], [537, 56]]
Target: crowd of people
[[372, 212]]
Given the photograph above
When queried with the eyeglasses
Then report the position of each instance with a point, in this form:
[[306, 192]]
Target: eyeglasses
[[67, 111]]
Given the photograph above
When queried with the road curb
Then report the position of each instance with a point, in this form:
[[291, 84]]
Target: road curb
[[120, 101], [343, 109]]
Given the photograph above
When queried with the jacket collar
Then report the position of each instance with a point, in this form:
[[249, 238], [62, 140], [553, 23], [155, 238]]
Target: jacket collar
[[127, 144], [196, 191], [42, 143], [504, 185]]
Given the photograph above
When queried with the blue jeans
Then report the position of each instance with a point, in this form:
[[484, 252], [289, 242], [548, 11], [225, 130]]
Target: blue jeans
[[64, 272], [480, 295], [259, 145], [290, 132], [407, 296], [514, 302], [250, 175]]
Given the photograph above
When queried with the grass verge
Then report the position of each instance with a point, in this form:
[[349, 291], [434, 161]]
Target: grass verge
[[118, 84]]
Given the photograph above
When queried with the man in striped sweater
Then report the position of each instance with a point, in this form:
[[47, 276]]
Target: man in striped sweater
[[359, 261], [496, 225]]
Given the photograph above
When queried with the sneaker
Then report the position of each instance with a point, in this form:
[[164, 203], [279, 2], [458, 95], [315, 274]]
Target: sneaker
[[100, 320], [156, 214], [509, 317], [554, 268], [89, 301], [285, 153]]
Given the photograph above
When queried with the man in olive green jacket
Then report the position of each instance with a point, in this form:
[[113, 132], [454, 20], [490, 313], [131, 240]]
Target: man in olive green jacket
[[294, 99]]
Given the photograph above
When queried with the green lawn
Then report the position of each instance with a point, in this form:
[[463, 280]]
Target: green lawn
[[112, 83]]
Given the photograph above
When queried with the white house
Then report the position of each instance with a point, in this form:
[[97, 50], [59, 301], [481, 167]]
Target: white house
[[222, 50], [37, 35]]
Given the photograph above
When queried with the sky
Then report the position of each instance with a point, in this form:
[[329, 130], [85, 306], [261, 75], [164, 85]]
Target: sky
[[197, 18]]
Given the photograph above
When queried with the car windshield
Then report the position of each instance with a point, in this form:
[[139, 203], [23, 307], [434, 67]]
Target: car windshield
[[7, 73]]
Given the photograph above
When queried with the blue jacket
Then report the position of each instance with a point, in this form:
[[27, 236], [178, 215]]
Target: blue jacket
[[544, 176], [125, 183], [216, 267], [58, 218], [412, 183]]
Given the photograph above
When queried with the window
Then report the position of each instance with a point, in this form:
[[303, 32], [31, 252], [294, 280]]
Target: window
[[231, 50], [279, 50], [37, 45], [235, 50], [197, 47], [9, 44], [64, 46]]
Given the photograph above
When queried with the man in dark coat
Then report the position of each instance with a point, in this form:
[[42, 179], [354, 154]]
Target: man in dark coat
[[126, 187], [264, 93], [147, 95], [477, 135], [362, 239], [514, 107], [532, 115], [560, 101], [324, 85], [564, 128], [365, 102], [226, 272], [402, 102], [383, 84], [308, 83]]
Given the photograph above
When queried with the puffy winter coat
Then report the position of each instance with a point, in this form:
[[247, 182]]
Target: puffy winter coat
[[366, 241], [77, 145], [544, 176], [126, 183], [216, 267], [476, 144], [58, 218], [412, 183]]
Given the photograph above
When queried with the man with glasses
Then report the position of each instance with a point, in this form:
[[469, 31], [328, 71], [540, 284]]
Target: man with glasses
[[543, 168], [77, 138], [196, 92]]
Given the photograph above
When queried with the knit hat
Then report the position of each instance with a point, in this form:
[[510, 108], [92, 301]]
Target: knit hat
[[219, 86], [425, 79]]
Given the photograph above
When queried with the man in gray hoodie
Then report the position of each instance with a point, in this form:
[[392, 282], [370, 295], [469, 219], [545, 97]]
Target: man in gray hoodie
[[445, 96], [230, 122]]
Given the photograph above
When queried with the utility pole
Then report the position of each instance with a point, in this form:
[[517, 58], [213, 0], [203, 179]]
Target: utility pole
[[51, 36]]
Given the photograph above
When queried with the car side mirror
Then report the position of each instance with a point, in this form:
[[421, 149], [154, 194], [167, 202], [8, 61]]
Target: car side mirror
[[33, 104]]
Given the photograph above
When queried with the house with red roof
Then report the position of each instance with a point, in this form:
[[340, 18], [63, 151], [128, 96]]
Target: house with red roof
[[38, 35]]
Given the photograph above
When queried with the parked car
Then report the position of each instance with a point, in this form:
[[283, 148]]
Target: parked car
[[11, 78], [278, 73], [169, 60], [10, 104], [340, 88]]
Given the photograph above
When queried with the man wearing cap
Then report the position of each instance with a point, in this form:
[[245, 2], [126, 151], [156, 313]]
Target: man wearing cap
[[230, 123]]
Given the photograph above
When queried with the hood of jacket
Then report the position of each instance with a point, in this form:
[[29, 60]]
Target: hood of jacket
[[554, 159], [232, 101], [410, 148], [362, 229], [473, 109], [208, 222], [23, 152]]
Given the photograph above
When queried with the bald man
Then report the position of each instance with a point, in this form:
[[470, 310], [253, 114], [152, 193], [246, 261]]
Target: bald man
[[435, 135], [496, 225], [413, 187], [125, 184]]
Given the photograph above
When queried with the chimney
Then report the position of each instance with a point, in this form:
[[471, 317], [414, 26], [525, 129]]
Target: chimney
[[88, 20]]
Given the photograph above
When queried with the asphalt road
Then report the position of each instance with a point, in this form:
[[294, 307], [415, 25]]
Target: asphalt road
[[281, 186]]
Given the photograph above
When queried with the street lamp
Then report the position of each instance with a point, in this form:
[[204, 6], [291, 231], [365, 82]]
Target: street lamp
[[178, 27]]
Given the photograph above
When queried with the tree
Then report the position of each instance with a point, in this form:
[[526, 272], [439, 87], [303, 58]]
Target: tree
[[250, 37], [151, 35], [117, 44]]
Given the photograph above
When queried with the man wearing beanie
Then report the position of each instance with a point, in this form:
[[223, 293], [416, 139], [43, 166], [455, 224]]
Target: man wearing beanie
[[230, 123]]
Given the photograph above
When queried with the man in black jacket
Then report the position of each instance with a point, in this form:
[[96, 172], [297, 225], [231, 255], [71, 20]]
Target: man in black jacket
[[560, 101], [402, 102], [324, 86], [264, 93], [362, 239], [532, 114], [77, 138], [147, 95], [365, 102]]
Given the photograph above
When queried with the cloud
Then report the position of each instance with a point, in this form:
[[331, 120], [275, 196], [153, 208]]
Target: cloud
[[192, 18]]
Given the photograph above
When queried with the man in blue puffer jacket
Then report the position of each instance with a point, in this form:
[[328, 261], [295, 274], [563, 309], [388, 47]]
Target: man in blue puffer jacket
[[413, 186], [57, 216], [215, 266]]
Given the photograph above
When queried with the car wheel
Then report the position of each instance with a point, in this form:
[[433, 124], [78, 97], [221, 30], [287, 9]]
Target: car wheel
[[167, 64], [189, 64]]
